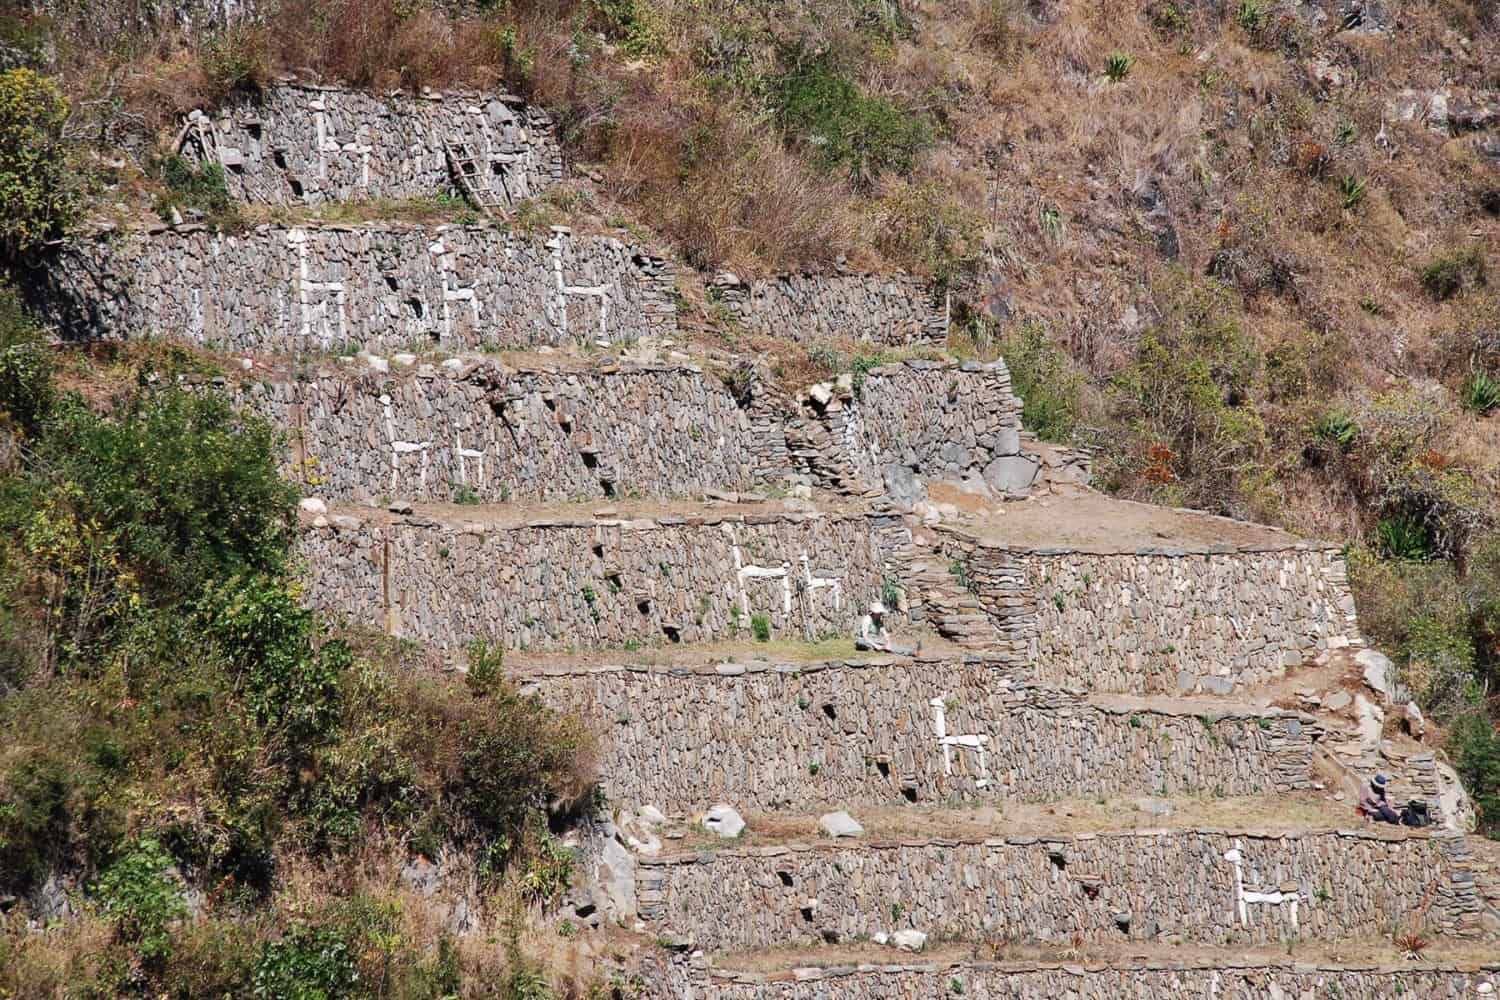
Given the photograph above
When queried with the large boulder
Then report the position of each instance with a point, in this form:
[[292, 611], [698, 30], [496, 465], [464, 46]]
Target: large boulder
[[1011, 473], [839, 824], [722, 820]]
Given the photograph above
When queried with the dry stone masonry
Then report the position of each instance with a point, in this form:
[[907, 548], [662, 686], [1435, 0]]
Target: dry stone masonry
[[803, 736], [1207, 887], [484, 432], [1162, 620], [559, 585], [886, 310], [891, 428], [302, 144], [291, 289], [1224, 980]]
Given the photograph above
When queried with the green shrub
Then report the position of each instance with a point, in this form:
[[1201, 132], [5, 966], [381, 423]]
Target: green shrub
[[1044, 377], [140, 895], [189, 488], [1450, 273], [1404, 537], [486, 670], [36, 196], [1479, 394], [861, 134], [309, 963], [1251, 15], [195, 188], [26, 387], [1474, 745], [760, 625]]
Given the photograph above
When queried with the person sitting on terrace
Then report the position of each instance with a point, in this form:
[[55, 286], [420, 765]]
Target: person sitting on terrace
[[872, 634], [1374, 804]]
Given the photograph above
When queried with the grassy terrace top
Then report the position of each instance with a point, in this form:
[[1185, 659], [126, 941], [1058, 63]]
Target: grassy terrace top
[[1092, 522]]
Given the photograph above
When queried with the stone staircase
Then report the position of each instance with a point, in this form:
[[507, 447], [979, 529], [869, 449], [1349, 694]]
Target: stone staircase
[[1078, 758]]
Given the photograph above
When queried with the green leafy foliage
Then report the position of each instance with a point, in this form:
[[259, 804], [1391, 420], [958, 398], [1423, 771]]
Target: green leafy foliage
[[486, 670], [36, 196], [1352, 189], [760, 626], [26, 389], [309, 963], [1404, 537], [1117, 66], [849, 130], [1474, 744], [1336, 428], [139, 894], [1048, 384], [197, 189]]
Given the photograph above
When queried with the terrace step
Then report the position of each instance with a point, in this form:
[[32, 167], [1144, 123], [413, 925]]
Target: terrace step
[[1218, 887], [944, 726], [864, 973]]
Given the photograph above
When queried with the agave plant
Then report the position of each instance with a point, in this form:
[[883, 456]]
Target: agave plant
[[1336, 428], [1480, 394], [1117, 66], [1353, 190]]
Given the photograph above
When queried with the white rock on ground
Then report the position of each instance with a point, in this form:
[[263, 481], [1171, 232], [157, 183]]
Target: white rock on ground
[[909, 940], [1379, 671], [313, 505], [614, 873], [653, 815], [839, 824], [724, 821]]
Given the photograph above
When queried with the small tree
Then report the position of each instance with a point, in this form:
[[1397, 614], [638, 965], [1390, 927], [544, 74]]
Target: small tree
[[35, 199]]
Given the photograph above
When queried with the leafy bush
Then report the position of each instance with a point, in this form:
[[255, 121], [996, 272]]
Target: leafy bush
[[26, 388], [139, 894], [760, 625], [196, 189], [1042, 375], [1404, 537], [309, 963], [486, 666], [1474, 745], [864, 135], [1479, 394], [1450, 273], [36, 199], [186, 487]]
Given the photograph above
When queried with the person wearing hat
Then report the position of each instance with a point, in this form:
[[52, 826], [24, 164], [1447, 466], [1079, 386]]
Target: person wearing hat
[[1374, 804], [872, 634]]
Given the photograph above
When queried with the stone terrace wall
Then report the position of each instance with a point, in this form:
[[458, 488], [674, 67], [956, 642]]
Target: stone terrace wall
[[289, 289], [1162, 620], [919, 980], [1185, 622], [300, 144], [899, 424], [803, 736], [562, 585], [1170, 885], [891, 311], [526, 434]]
